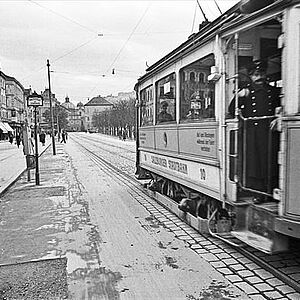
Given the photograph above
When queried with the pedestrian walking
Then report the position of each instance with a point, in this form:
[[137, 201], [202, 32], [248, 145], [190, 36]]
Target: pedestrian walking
[[11, 138], [42, 137], [124, 134], [18, 140], [63, 137], [120, 134]]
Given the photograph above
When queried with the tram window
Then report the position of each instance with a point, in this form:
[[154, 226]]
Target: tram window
[[197, 95], [147, 106], [166, 89]]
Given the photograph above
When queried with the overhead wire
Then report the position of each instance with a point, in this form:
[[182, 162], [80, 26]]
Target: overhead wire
[[122, 48], [62, 16], [129, 37], [75, 49], [62, 56]]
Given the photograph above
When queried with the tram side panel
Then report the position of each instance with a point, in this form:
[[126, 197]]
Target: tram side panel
[[187, 166]]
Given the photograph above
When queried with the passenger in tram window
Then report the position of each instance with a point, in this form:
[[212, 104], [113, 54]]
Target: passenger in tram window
[[259, 99], [164, 116]]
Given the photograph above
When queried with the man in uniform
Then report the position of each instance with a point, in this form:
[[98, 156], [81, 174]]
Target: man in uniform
[[256, 100]]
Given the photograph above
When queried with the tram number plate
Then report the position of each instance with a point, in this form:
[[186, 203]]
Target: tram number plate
[[202, 172]]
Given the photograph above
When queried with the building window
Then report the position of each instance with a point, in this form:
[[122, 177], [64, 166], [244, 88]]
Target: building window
[[197, 98], [166, 99], [147, 106], [201, 77], [192, 76]]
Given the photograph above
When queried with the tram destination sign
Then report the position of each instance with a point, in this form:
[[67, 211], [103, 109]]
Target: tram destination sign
[[35, 100]]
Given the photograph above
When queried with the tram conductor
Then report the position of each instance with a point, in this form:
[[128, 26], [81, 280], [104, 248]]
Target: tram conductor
[[259, 99]]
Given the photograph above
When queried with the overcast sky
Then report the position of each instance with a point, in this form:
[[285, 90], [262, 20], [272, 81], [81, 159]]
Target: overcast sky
[[85, 40]]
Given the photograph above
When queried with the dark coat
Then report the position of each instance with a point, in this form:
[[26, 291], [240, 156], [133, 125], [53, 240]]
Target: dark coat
[[164, 117], [42, 137], [260, 140]]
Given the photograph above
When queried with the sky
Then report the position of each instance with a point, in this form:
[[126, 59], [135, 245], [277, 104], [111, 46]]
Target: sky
[[85, 41]]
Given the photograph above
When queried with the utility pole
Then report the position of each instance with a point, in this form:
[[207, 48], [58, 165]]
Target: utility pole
[[51, 110], [34, 100], [37, 173]]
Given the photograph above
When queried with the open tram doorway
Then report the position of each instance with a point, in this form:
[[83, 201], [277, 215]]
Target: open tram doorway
[[255, 105]]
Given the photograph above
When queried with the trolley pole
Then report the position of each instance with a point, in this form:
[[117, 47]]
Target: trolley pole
[[37, 173], [51, 110]]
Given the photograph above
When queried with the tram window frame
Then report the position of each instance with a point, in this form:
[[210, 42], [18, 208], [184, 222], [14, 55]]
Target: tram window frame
[[166, 96], [147, 103], [197, 98]]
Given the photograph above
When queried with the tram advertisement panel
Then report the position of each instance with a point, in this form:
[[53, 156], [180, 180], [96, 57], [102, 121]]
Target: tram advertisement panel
[[198, 174], [198, 141], [146, 138]]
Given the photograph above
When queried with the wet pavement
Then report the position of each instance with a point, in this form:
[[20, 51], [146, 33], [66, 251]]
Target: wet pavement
[[113, 247]]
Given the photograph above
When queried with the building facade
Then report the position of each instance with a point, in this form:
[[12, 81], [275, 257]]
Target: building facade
[[94, 106], [12, 106]]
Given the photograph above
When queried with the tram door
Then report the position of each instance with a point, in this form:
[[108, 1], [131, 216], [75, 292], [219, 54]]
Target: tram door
[[254, 157]]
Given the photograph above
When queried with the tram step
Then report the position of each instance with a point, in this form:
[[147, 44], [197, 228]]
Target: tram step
[[277, 243], [228, 238]]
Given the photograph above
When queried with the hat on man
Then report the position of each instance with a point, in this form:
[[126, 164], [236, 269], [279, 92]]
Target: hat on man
[[164, 103], [257, 65]]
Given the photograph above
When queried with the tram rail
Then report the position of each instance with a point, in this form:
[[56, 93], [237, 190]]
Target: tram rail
[[282, 269]]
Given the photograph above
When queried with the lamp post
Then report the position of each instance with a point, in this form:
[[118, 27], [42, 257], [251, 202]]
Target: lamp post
[[51, 110]]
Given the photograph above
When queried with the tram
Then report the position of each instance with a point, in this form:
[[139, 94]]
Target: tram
[[196, 154]]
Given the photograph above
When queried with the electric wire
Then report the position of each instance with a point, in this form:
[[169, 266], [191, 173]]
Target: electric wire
[[62, 16], [129, 37], [60, 57], [75, 49], [122, 48]]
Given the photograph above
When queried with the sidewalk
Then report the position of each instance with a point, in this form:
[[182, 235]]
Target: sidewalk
[[47, 243], [13, 162]]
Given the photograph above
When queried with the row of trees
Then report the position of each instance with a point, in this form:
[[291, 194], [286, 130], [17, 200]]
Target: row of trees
[[60, 117], [121, 117]]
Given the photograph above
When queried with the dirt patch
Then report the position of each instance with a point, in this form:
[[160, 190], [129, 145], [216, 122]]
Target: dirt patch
[[46, 279]]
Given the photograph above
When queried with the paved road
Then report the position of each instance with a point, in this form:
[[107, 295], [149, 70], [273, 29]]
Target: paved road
[[139, 258], [114, 247]]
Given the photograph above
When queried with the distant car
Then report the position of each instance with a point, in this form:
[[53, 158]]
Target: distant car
[[92, 130]]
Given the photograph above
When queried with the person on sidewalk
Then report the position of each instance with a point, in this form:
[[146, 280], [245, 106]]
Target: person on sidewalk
[[63, 137], [18, 140], [124, 134], [42, 137], [11, 138]]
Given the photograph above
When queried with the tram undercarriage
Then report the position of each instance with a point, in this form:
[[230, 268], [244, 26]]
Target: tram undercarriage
[[233, 223]]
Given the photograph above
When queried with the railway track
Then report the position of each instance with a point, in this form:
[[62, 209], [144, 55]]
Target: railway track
[[274, 276]]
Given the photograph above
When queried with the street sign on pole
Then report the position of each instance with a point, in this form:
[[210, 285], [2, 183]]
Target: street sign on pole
[[35, 100]]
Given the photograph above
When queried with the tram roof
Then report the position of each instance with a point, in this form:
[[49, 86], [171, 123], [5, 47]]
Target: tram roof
[[231, 18]]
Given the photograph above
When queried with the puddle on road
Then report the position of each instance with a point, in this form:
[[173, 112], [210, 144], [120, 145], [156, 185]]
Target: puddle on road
[[74, 262]]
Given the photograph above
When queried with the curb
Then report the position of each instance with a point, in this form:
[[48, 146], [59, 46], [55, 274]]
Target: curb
[[16, 177]]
